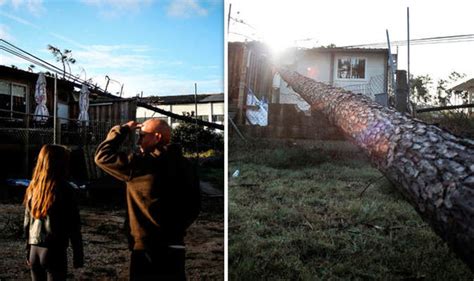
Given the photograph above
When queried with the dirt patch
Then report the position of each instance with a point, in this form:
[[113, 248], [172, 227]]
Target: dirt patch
[[105, 244]]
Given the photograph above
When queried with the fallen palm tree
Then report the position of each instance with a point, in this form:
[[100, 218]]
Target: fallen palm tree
[[431, 167]]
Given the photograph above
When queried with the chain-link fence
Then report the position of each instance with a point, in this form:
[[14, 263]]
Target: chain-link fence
[[375, 86], [34, 129], [22, 136]]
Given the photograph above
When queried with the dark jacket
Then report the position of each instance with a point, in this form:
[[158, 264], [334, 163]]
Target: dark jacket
[[163, 196], [61, 225]]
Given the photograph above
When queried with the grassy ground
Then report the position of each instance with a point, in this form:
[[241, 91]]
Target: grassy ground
[[312, 211], [213, 175], [211, 167]]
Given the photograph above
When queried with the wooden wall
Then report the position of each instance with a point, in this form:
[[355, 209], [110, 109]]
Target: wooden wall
[[117, 111]]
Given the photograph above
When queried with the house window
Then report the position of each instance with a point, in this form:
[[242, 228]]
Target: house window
[[203, 117], [176, 121], [351, 68], [217, 118], [12, 98]]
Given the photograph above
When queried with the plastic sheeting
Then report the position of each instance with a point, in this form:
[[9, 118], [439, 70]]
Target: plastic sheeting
[[84, 104], [257, 110], [41, 111]]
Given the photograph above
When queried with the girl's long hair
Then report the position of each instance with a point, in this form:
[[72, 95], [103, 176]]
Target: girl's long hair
[[51, 168]]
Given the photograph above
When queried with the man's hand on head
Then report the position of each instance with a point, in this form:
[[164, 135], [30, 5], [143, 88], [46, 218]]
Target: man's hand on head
[[133, 125]]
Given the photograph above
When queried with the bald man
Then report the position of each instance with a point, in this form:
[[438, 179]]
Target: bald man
[[162, 197]]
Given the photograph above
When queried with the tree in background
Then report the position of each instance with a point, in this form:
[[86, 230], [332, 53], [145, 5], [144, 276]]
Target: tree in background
[[444, 94], [188, 134], [65, 57], [420, 89]]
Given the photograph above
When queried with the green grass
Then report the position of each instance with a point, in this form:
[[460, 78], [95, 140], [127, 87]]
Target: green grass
[[211, 167], [321, 212], [213, 175]]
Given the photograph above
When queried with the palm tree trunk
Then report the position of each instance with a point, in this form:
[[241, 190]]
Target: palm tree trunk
[[432, 168]]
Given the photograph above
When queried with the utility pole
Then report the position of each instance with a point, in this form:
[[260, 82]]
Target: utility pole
[[195, 122], [228, 17], [55, 110], [195, 102], [391, 64], [408, 54]]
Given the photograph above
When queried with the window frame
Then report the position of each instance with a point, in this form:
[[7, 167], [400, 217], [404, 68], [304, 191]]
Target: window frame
[[336, 68], [27, 96], [216, 119]]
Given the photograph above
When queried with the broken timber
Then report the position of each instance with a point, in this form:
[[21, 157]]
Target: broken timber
[[432, 168], [181, 117]]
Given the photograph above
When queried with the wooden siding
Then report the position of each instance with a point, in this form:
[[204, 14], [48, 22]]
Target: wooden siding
[[117, 111]]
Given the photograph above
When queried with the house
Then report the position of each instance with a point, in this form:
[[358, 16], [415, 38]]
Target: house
[[468, 88], [359, 70], [17, 99], [252, 73], [210, 107], [17, 93], [21, 136]]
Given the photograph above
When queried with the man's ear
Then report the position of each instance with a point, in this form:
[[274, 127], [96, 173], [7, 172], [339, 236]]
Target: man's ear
[[158, 137]]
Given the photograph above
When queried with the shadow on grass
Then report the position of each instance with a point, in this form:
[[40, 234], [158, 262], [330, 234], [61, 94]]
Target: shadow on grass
[[323, 213]]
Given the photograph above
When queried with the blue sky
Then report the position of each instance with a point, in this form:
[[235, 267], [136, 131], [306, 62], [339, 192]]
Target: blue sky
[[160, 47]]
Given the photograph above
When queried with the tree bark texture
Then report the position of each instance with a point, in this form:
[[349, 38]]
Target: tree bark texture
[[431, 167]]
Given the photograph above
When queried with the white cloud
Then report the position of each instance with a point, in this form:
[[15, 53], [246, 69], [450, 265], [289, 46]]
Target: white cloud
[[203, 67], [68, 40], [116, 8], [100, 59], [4, 33], [109, 56], [132, 48], [35, 7], [185, 9], [153, 84], [19, 20]]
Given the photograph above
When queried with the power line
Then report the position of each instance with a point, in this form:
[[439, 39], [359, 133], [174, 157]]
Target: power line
[[243, 35], [20, 53], [422, 41], [35, 60], [242, 22]]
